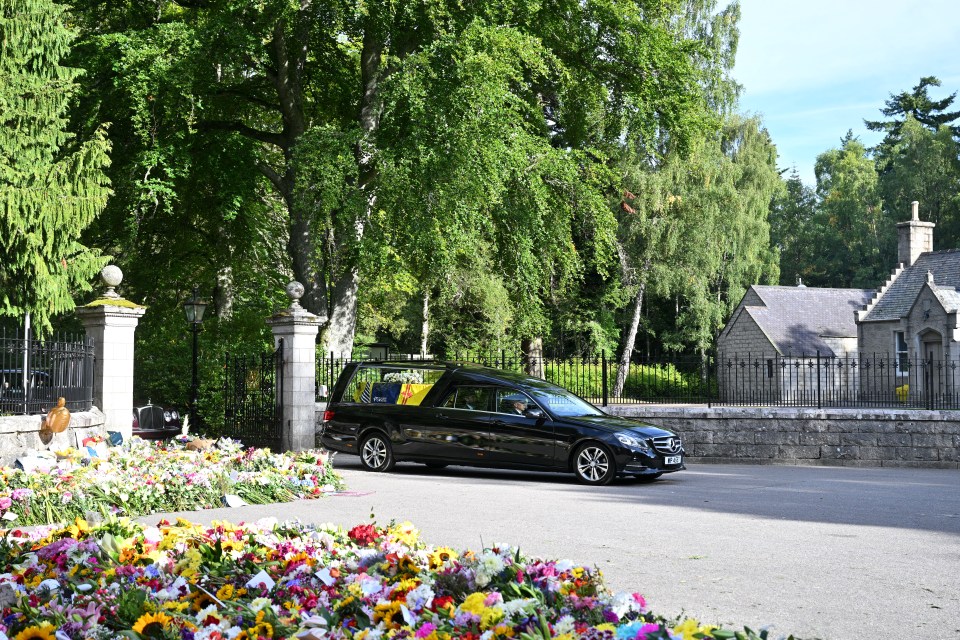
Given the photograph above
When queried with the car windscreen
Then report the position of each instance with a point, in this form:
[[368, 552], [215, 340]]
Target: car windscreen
[[561, 402]]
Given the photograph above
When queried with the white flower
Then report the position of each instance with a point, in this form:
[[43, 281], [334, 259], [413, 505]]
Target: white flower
[[564, 625]]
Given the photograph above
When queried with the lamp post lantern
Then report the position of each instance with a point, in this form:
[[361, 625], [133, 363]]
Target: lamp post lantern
[[193, 310]]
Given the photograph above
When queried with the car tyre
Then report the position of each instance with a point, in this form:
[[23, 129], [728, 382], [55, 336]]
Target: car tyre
[[376, 454], [594, 464]]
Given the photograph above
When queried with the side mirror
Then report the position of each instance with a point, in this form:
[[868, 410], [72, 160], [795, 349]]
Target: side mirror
[[534, 412]]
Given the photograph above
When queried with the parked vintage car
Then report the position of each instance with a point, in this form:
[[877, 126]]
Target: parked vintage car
[[464, 414], [153, 422]]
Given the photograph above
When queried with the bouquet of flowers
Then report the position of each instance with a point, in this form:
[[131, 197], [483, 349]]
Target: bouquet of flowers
[[180, 581]]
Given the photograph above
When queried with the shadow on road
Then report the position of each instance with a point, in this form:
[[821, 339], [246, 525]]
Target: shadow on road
[[923, 499]]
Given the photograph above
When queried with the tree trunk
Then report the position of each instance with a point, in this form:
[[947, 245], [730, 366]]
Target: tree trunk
[[425, 327], [629, 338], [342, 326], [223, 294], [341, 330], [532, 356]]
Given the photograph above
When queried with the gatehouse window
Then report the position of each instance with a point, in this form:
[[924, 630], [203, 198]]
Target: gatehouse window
[[903, 354]]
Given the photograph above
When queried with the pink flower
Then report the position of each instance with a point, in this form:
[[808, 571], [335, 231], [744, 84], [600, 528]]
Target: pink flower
[[426, 630], [645, 630], [5, 503]]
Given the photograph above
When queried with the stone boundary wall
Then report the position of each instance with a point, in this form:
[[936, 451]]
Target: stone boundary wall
[[19, 434], [834, 437]]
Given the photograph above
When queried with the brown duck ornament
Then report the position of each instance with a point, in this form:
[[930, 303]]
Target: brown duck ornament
[[58, 418]]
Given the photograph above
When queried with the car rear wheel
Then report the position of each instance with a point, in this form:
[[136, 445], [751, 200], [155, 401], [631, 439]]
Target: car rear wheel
[[376, 454], [594, 464]]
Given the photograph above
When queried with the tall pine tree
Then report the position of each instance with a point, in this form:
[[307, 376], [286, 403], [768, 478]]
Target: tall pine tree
[[51, 187]]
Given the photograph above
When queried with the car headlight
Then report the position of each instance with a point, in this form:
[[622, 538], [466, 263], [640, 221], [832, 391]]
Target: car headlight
[[634, 443], [175, 414], [166, 416]]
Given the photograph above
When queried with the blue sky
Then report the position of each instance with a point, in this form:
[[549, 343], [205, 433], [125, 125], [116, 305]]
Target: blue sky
[[816, 68]]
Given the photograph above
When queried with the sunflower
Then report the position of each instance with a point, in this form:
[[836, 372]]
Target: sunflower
[[151, 625], [441, 556], [44, 631]]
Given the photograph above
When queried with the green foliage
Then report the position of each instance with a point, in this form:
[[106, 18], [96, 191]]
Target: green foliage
[[857, 245], [701, 224], [52, 185], [916, 105], [924, 165], [793, 232]]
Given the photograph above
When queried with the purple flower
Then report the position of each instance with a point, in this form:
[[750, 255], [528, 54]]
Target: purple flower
[[21, 494]]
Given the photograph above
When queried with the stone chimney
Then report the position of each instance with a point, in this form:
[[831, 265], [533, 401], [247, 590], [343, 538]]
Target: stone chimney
[[914, 237]]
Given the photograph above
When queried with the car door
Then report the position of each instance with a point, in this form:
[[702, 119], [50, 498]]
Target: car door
[[453, 431], [516, 438]]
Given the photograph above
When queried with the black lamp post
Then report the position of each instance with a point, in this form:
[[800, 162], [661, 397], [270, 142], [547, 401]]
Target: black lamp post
[[193, 309]]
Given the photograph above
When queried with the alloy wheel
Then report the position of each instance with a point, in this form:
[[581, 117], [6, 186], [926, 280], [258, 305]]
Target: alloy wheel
[[594, 465], [376, 454]]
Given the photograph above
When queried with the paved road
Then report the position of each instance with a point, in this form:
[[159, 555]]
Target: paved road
[[820, 552]]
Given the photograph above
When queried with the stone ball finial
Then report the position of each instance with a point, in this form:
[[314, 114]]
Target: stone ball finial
[[111, 276], [295, 291]]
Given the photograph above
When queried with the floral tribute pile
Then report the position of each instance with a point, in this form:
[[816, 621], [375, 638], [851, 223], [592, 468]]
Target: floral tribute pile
[[180, 581], [142, 477]]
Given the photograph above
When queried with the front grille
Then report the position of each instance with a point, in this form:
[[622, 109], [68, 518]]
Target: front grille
[[668, 444], [151, 417]]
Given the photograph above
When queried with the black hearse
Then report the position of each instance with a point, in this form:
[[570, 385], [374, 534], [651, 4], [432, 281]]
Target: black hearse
[[465, 414]]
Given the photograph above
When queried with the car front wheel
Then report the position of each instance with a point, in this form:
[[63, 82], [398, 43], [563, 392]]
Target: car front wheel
[[376, 454], [594, 464]]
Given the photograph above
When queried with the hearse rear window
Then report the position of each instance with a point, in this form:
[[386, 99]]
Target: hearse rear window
[[390, 385]]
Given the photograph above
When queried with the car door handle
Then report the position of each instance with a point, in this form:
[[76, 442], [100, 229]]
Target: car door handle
[[500, 423]]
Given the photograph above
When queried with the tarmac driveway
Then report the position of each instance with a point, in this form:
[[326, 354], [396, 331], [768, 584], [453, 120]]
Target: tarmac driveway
[[819, 552]]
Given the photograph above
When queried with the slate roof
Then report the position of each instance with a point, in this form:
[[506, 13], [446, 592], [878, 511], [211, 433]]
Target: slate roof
[[900, 296], [796, 319]]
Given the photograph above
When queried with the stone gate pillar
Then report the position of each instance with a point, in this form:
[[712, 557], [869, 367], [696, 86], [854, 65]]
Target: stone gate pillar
[[298, 328], [111, 322]]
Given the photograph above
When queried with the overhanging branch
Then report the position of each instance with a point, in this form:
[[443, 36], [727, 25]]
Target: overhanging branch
[[256, 134]]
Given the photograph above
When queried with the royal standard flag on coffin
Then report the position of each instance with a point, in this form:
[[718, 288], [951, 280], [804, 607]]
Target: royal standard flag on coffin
[[413, 394]]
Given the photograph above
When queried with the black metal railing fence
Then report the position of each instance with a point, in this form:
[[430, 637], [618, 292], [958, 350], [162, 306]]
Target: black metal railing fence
[[678, 380], [813, 381], [34, 373]]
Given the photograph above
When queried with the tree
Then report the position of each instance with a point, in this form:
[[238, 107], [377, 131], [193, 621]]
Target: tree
[[857, 245], [916, 105], [647, 235], [326, 98], [52, 186], [793, 231], [924, 165]]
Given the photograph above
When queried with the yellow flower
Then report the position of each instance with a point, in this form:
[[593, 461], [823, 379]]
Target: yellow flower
[[151, 624], [441, 556], [44, 631], [490, 617], [474, 603], [504, 631], [406, 533], [225, 592], [79, 528], [386, 612], [689, 627]]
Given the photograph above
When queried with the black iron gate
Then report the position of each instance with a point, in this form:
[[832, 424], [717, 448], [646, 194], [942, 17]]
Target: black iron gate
[[253, 398]]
